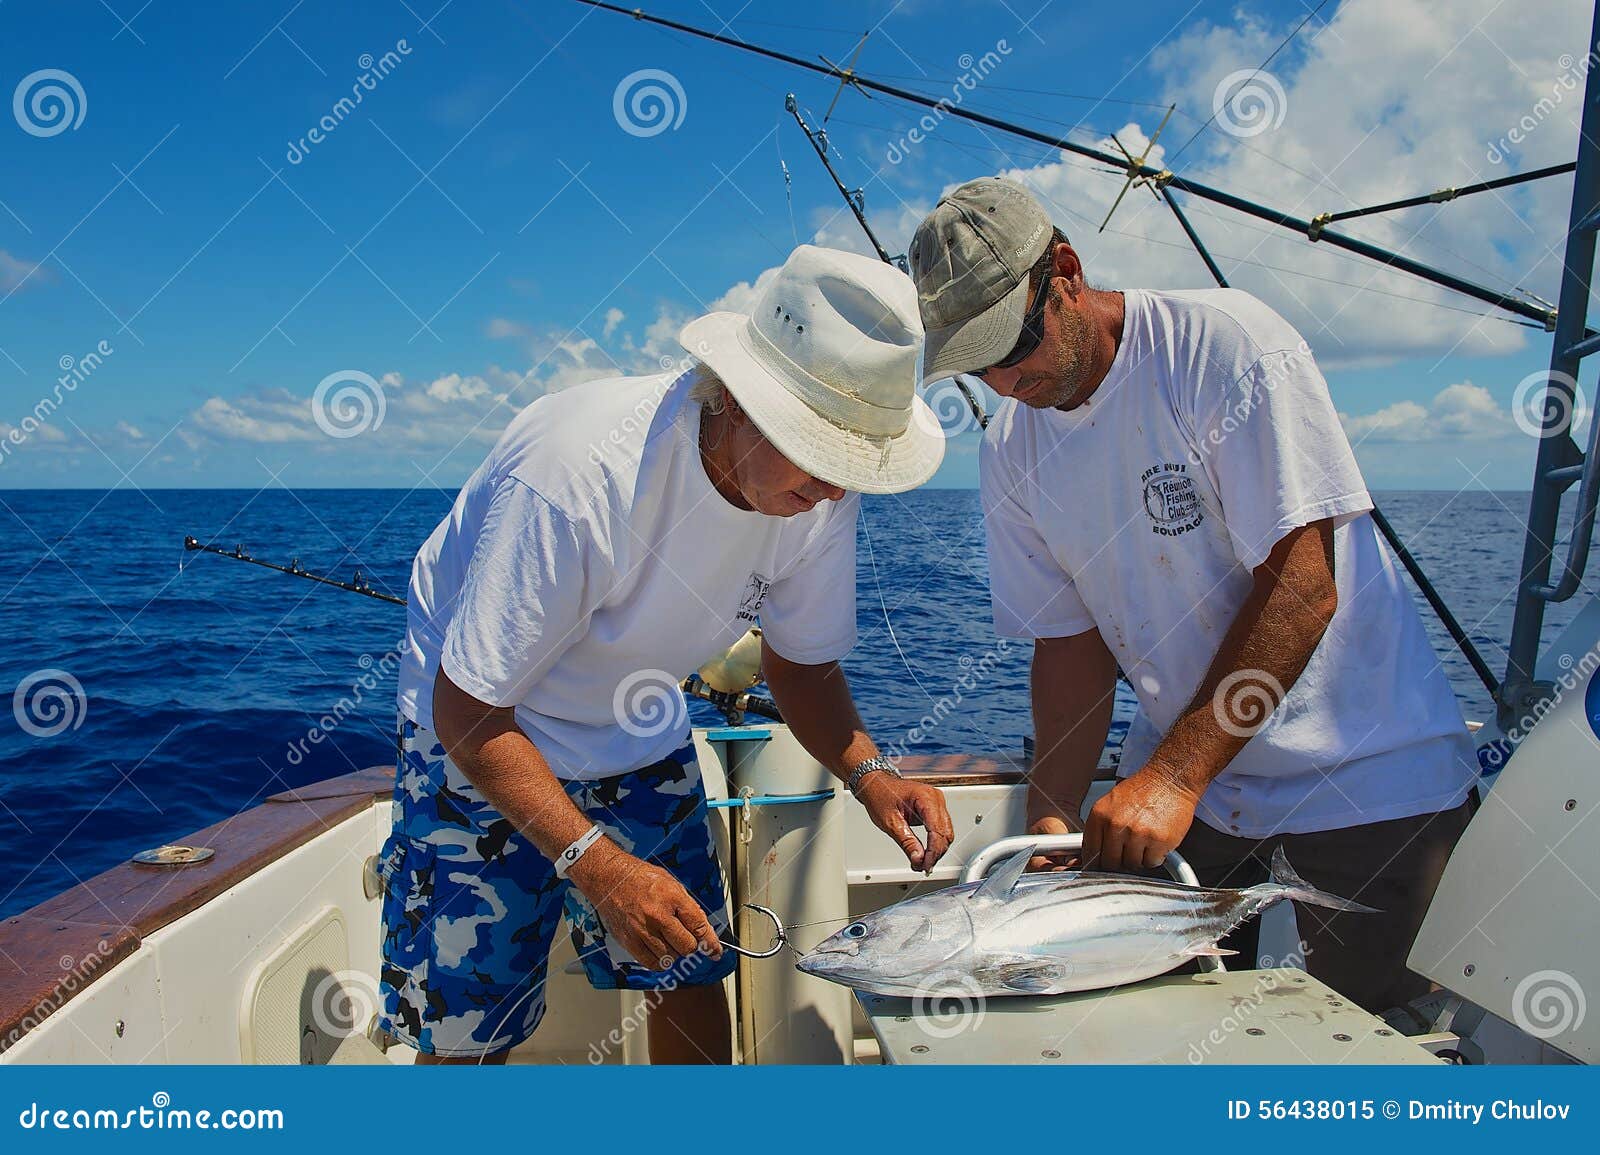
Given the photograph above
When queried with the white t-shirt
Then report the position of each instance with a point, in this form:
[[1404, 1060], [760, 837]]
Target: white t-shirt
[[1142, 515], [589, 565]]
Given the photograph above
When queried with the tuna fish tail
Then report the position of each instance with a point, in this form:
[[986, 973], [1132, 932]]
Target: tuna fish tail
[[1286, 883]]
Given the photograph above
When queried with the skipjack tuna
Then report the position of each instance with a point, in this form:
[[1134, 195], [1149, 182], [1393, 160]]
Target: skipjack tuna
[[1035, 934]]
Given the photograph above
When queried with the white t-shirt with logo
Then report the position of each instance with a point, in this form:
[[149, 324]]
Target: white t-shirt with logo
[[1142, 515], [589, 565]]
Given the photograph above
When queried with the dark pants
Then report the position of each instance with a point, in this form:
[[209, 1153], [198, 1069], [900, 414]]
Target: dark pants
[[1394, 866]]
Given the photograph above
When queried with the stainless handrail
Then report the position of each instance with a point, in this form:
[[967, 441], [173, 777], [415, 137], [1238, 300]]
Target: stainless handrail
[[1577, 559], [982, 862]]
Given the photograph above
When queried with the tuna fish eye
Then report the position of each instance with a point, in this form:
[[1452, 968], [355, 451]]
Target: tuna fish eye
[[856, 930]]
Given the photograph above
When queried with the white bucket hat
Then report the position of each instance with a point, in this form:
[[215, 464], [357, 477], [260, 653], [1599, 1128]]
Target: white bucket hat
[[827, 365]]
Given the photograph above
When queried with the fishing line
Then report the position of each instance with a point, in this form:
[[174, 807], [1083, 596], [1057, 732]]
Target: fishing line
[[877, 583], [788, 180]]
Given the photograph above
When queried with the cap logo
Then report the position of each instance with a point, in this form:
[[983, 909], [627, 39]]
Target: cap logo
[[1027, 244]]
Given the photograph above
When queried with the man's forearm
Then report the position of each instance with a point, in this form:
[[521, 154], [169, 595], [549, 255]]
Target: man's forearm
[[1263, 654], [816, 705], [512, 775], [1073, 683]]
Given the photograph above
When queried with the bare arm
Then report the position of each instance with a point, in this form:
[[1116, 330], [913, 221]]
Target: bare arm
[[815, 702], [643, 905], [1264, 651], [1073, 682]]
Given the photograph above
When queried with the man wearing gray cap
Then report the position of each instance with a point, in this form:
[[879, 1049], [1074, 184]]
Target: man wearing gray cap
[[1168, 489]]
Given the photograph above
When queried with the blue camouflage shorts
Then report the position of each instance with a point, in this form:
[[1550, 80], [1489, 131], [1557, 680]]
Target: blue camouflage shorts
[[471, 907]]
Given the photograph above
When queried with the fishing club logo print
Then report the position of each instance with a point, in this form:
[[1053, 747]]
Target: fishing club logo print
[[1171, 500], [755, 592]]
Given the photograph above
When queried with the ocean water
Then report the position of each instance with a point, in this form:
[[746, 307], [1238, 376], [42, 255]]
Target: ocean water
[[202, 678]]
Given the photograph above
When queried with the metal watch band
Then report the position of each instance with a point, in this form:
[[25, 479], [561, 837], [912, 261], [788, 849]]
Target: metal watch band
[[568, 858], [867, 767]]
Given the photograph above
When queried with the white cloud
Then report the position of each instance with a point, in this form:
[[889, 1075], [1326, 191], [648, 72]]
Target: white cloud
[[501, 329], [15, 272], [1457, 413], [1460, 411], [1390, 98]]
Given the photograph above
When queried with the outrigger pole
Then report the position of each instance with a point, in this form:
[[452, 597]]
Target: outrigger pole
[[733, 704], [1413, 567], [1159, 178]]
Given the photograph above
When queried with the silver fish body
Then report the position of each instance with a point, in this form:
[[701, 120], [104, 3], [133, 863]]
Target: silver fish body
[[1017, 933]]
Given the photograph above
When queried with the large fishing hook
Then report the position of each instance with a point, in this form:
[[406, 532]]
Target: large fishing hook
[[780, 936]]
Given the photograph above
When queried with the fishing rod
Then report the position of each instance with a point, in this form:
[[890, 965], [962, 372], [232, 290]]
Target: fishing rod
[[1159, 178], [857, 205], [734, 705], [358, 585]]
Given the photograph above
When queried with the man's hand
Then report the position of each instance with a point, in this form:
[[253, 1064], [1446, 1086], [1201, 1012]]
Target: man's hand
[[895, 806], [1053, 860], [1140, 821], [644, 907]]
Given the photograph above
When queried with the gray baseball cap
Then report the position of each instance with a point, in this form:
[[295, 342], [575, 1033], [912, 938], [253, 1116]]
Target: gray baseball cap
[[970, 259]]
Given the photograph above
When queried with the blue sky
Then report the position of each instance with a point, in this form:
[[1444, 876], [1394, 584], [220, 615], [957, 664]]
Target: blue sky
[[481, 228]]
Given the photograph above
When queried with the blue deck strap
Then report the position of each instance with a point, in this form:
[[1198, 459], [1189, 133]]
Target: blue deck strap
[[770, 799]]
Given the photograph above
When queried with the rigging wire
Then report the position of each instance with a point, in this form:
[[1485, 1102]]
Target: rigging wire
[[972, 148], [1309, 16], [1517, 305]]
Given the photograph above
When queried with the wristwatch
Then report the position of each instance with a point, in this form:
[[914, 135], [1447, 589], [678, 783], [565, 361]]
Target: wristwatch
[[867, 767]]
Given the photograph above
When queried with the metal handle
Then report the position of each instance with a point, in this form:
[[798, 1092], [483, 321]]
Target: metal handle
[[982, 862], [1572, 569]]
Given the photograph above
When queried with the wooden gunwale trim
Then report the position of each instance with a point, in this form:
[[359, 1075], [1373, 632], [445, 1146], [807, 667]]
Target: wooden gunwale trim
[[964, 769], [53, 952]]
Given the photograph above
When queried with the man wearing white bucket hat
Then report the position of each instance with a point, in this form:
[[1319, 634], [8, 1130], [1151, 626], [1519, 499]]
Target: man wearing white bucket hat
[[619, 534]]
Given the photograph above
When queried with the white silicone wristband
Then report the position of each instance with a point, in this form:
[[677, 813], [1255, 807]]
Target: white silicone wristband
[[568, 858]]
